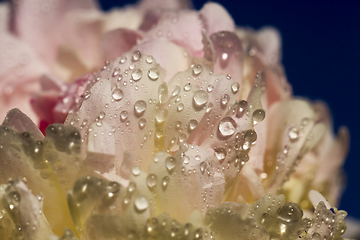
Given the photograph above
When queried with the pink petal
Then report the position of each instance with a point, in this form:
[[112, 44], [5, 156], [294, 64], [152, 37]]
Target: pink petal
[[4, 16], [37, 22], [19, 74], [269, 39], [118, 42], [146, 5], [175, 27], [216, 18]]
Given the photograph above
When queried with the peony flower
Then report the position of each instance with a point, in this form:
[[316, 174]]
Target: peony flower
[[188, 131]]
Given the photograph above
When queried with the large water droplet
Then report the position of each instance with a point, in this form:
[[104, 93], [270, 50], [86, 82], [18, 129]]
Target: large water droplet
[[258, 115], [141, 204], [131, 187], [151, 180], [290, 213], [136, 56], [116, 72], [163, 93], [123, 59], [220, 153], [161, 115], [293, 134], [227, 127], [200, 99], [197, 69], [170, 163], [153, 74], [149, 59], [136, 74], [139, 108], [210, 88], [117, 94], [136, 171]]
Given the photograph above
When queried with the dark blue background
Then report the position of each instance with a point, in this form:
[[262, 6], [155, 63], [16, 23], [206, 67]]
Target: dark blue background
[[321, 55]]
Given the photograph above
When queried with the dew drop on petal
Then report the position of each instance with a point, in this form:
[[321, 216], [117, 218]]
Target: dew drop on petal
[[180, 107], [224, 100], [202, 167], [242, 107], [210, 88], [197, 69], [123, 59], [235, 87], [200, 99], [153, 74], [258, 115], [149, 59], [136, 171], [141, 204], [165, 182], [151, 180], [176, 91], [117, 94], [170, 163], [87, 94], [101, 115], [186, 159], [116, 72], [131, 187], [187, 87], [140, 107], [293, 134], [220, 153], [136, 56], [124, 115], [136, 74], [192, 125], [142, 123], [227, 127], [250, 136]]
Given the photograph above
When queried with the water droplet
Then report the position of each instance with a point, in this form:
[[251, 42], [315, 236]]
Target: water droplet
[[161, 115], [116, 72], [123, 59], [209, 107], [142, 123], [176, 91], [149, 59], [293, 134], [200, 99], [87, 94], [241, 108], [136, 171], [156, 159], [258, 115], [131, 187], [165, 182], [250, 136], [163, 93], [227, 127], [136, 56], [101, 115], [117, 94], [136, 74], [182, 137], [187, 87], [141, 204], [202, 167], [235, 87], [220, 153], [153, 74], [140, 107], [170, 163], [186, 159], [224, 100], [192, 125], [151, 180], [180, 107], [210, 88], [290, 213], [124, 115], [197, 69]]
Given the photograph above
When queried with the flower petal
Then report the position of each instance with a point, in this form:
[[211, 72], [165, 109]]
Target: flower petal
[[216, 18]]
